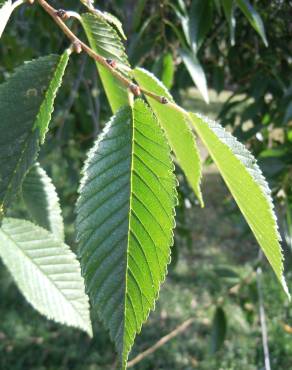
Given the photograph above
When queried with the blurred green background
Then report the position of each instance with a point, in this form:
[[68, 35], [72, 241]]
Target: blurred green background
[[213, 275]]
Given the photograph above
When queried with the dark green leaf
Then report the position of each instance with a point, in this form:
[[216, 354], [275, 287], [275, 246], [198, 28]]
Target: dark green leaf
[[201, 17], [219, 328], [106, 42], [108, 17], [26, 104], [254, 18], [288, 114], [228, 6]]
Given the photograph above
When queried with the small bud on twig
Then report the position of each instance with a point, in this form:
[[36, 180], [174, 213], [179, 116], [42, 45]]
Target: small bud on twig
[[61, 13], [111, 63], [76, 46], [135, 89], [163, 100]]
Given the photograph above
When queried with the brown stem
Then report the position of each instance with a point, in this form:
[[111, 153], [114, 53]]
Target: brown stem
[[80, 45], [75, 40]]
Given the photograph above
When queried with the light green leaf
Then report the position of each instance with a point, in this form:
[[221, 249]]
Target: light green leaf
[[196, 71], [247, 185], [46, 271], [105, 41], [180, 137], [125, 218], [228, 6], [163, 68], [26, 104], [6, 9], [42, 201], [167, 70], [254, 18]]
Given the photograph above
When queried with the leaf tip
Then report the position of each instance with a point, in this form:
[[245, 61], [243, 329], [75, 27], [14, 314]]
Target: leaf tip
[[89, 331], [285, 287]]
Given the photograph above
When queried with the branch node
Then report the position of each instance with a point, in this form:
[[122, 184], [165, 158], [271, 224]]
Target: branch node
[[61, 13], [111, 63], [135, 89], [163, 100], [76, 47]]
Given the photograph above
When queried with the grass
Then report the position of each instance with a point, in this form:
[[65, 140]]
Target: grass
[[215, 270]]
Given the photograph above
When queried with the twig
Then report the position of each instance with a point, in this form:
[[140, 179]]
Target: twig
[[79, 46], [178, 330], [263, 321], [183, 327]]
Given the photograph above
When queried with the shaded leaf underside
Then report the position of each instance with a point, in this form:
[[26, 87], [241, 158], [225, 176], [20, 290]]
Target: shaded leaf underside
[[42, 201], [6, 9], [46, 272], [125, 217]]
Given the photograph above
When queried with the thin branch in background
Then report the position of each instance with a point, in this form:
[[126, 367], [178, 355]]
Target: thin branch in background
[[178, 330], [182, 327], [72, 97], [263, 320]]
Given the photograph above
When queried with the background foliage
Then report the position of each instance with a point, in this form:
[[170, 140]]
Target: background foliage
[[248, 86]]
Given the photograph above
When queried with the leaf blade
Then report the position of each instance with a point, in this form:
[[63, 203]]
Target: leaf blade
[[196, 71], [42, 201], [201, 16], [180, 137], [122, 232], [250, 189], [105, 41], [254, 19], [228, 7], [6, 10], [168, 70], [46, 272], [26, 101], [219, 329], [108, 17]]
